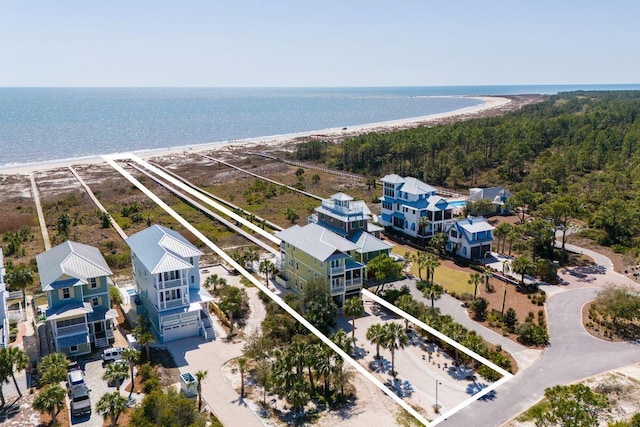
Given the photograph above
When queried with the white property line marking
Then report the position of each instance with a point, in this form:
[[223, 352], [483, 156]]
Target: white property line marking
[[205, 199], [506, 376], [263, 288]]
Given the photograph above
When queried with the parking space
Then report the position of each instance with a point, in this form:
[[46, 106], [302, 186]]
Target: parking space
[[93, 372]]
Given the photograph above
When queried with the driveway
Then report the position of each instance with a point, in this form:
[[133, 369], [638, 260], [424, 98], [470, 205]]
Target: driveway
[[93, 371], [194, 354]]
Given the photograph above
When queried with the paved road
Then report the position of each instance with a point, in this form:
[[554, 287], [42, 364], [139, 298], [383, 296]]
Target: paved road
[[451, 306], [573, 354]]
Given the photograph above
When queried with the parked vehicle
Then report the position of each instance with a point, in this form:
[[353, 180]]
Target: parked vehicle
[[76, 378], [112, 354], [80, 401]]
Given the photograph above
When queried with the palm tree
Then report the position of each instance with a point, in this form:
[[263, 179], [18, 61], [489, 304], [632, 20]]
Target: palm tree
[[394, 338], [353, 307], [376, 335], [5, 373], [16, 360], [406, 304], [267, 267], [522, 265], [251, 255], [214, 280], [19, 278], [111, 405], [475, 279], [50, 400], [116, 372], [131, 356], [200, 376], [423, 224], [242, 365], [430, 265], [53, 368], [143, 333], [419, 258], [323, 367], [342, 340]]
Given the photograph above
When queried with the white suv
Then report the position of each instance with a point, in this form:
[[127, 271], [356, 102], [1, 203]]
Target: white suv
[[111, 354]]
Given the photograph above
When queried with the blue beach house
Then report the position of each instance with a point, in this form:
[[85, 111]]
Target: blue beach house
[[167, 280], [470, 238], [76, 279], [412, 207]]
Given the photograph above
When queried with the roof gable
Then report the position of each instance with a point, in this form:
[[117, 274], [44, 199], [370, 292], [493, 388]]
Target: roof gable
[[70, 260], [316, 240], [161, 249]]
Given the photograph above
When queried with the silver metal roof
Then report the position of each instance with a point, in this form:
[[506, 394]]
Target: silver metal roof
[[368, 243], [70, 260], [161, 249], [315, 240]]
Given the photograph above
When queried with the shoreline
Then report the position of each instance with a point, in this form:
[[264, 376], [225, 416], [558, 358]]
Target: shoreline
[[489, 103]]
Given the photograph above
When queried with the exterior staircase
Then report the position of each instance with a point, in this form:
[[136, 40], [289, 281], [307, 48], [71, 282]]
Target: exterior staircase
[[207, 327], [102, 342]]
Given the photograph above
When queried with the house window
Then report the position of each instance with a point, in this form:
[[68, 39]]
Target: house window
[[191, 260], [66, 293], [93, 283], [296, 265], [95, 301], [193, 279], [73, 349]]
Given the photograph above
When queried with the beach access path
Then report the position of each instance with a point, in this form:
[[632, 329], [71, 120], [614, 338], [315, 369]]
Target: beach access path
[[43, 224]]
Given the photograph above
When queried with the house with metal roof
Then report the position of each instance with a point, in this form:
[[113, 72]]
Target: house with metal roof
[[314, 252], [412, 207], [4, 314], [352, 220], [497, 196], [167, 281], [470, 238], [75, 278]]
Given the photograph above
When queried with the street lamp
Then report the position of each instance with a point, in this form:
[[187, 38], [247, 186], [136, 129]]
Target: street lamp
[[437, 407]]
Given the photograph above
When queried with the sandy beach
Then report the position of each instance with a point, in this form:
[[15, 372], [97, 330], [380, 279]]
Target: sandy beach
[[490, 104]]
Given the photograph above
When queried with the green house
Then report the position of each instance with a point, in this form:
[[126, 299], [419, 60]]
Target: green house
[[75, 278]]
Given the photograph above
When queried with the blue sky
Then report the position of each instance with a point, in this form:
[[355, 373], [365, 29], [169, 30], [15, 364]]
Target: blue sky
[[317, 43]]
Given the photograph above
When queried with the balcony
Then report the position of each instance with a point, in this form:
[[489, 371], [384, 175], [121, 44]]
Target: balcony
[[353, 282], [72, 329], [179, 302], [337, 289], [168, 284], [344, 210], [336, 271]]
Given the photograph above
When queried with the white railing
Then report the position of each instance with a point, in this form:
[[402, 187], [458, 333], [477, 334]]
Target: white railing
[[168, 284], [337, 270], [331, 205], [71, 329], [353, 282], [173, 303], [338, 289]]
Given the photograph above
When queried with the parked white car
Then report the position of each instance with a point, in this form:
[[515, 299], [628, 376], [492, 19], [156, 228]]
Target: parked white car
[[112, 354]]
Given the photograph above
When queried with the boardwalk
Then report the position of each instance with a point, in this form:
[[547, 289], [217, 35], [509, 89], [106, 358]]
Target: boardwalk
[[113, 222], [43, 224]]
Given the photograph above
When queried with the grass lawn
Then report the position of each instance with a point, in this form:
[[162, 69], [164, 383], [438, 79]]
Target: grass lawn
[[451, 280]]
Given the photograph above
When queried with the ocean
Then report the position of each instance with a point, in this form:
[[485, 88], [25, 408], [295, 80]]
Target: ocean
[[45, 124]]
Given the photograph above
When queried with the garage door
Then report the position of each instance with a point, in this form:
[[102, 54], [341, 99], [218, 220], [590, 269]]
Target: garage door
[[176, 332]]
